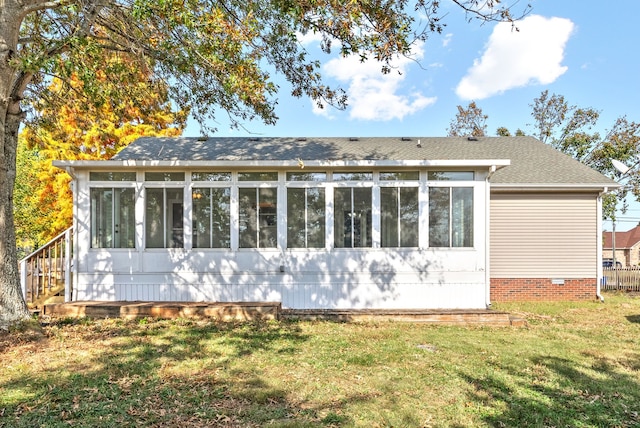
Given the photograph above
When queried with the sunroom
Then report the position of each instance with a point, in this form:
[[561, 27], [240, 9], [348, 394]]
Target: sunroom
[[310, 233]]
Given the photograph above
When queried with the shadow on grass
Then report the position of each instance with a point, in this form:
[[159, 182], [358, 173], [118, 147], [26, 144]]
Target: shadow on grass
[[554, 392], [160, 374], [633, 319]]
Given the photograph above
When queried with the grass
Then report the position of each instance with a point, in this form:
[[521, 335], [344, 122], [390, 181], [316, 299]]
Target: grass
[[574, 365]]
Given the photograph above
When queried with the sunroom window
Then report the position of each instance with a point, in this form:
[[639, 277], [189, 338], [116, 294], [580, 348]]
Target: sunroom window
[[305, 209], [112, 217], [450, 210], [352, 222], [258, 176], [399, 216], [112, 176], [211, 217], [164, 176], [210, 176], [451, 217], [305, 218], [164, 218], [450, 176], [258, 217]]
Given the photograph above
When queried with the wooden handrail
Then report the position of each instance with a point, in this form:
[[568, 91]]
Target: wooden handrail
[[51, 242], [46, 272]]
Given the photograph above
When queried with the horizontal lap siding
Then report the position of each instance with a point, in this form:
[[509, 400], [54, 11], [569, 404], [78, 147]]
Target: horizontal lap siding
[[297, 289], [543, 236], [361, 278]]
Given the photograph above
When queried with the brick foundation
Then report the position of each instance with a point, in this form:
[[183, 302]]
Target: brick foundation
[[541, 289]]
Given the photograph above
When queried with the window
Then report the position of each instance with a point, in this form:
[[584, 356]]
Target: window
[[112, 176], [399, 216], [450, 175], [164, 218], [164, 176], [306, 210], [307, 176], [450, 217], [211, 217], [352, 176], [352, 222], [258, 217], [112, 218], [305, 218], [210, 176], [401, 175], [258, 176]]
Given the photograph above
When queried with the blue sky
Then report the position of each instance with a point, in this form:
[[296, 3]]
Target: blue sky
[[587, 51]]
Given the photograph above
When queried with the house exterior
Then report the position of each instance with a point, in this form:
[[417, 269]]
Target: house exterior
[[627, 246], [337, 223]]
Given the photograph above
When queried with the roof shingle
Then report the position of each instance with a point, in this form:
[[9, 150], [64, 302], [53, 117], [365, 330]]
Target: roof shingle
[[532, 162]]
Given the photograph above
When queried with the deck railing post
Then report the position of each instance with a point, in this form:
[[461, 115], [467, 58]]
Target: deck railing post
[[67, 267]]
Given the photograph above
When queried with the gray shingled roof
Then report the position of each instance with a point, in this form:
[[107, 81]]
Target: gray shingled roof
[[532, 162]]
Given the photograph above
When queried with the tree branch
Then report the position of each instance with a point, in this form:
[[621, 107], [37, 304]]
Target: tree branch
[[499, 14], [36, 6]]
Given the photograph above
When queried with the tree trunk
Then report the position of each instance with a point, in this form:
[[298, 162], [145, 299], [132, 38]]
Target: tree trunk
[[12, 305]]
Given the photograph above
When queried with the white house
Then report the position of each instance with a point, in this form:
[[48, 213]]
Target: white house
[[337, 223]]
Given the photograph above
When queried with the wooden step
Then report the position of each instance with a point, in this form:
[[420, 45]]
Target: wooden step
[[50, 296]]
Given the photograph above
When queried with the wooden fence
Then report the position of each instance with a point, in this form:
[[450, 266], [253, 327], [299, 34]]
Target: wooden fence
[[628, 279]]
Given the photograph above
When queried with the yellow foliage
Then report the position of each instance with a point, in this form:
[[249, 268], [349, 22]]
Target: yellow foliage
[[79, 130]]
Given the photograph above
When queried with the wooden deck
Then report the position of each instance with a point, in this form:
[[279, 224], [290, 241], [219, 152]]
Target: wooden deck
[[432, 316], [250, 311], [241, 311]]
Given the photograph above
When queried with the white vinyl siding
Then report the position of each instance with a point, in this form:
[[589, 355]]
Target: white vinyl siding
[[543, 235]]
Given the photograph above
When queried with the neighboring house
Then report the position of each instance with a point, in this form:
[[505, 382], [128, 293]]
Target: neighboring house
[[627, 246], [337, 223]]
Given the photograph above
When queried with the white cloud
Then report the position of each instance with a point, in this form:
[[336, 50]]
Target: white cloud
[[309, 38], [324, 111], [373, 95], [518, 58], [447, 39]]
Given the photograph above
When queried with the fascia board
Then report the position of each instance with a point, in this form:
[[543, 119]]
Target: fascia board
[[512, 187], [127, 164]]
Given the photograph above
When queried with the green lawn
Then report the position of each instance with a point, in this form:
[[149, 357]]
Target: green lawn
[[575, 365]]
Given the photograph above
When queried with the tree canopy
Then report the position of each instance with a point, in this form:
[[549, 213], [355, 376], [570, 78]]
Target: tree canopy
[[81, 131], [572, 130], [469, 122]]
